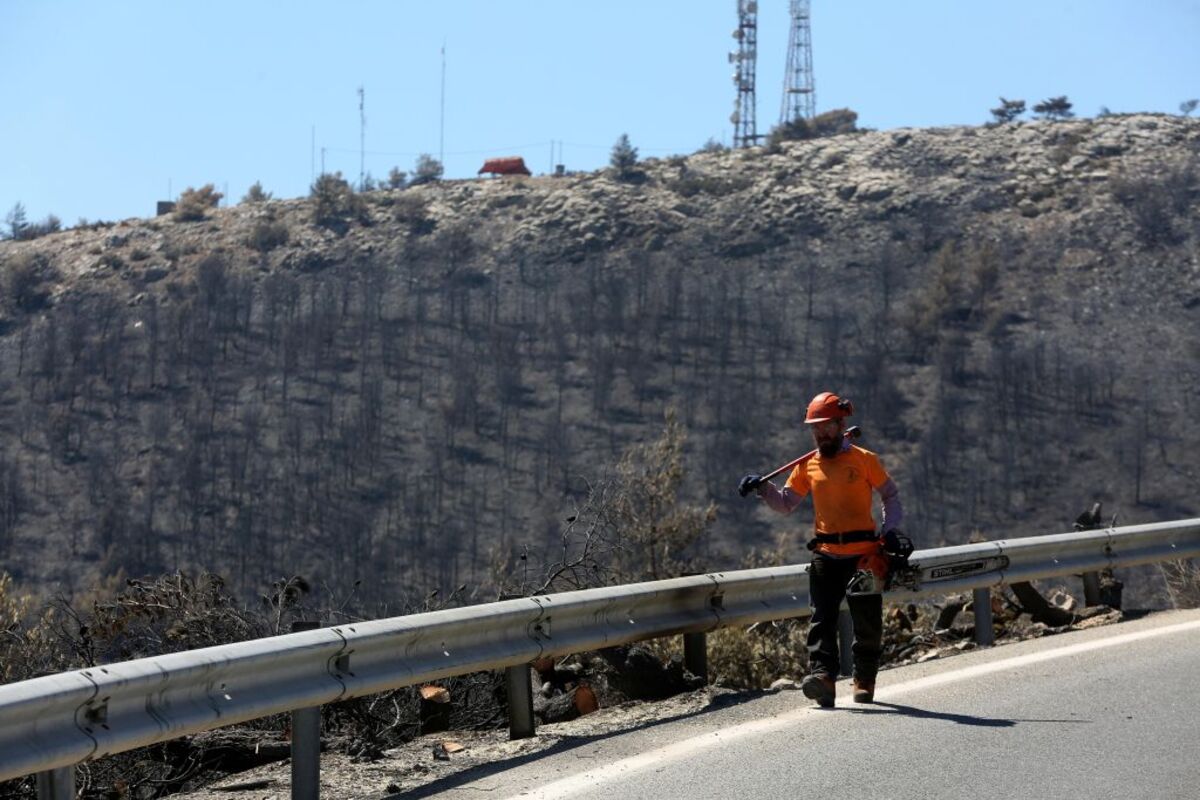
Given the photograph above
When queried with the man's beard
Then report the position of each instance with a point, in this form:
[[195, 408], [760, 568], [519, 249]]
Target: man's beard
[[830, 449]]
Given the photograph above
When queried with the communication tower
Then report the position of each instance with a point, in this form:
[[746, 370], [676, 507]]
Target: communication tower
[[745, 132], [799, 90]]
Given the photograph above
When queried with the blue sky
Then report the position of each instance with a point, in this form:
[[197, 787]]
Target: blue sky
[[106, 105]]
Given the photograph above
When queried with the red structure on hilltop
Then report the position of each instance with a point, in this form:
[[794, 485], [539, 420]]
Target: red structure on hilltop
[[514, 165]]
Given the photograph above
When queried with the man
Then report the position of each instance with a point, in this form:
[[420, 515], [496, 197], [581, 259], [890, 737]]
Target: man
[[840, 478]]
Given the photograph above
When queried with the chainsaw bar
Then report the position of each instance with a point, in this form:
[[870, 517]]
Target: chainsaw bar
[[914, 576]]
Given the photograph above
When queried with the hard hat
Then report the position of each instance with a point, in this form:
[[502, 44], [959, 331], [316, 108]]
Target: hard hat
[[827, 406]]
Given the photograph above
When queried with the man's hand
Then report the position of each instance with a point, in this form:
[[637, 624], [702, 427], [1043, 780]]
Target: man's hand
[[897, 546], [748, 484]]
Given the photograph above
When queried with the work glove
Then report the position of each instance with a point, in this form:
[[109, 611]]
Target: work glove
[[897, 547], [749, 483]]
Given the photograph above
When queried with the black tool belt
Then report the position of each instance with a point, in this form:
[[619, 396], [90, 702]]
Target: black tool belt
[[848, 537]]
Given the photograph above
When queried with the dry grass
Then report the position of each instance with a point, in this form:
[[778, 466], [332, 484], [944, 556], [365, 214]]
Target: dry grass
[[751, 658], [1183, 583]]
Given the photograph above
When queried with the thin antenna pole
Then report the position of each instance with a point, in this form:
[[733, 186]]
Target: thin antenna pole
[[362, 138], [442, 127], [312, 158]]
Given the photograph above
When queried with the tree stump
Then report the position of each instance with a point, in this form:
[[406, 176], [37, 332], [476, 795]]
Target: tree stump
[[1039, 608], [435, 709]]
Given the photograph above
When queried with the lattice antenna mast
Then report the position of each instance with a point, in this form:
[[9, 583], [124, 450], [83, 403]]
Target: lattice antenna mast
[[799, 88], [745, 132]]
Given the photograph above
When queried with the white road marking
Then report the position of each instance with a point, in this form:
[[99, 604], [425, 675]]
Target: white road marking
[[590, 779]]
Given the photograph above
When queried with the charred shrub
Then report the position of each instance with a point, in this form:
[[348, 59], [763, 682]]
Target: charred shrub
[[335, 205], [194, 204], [1157, 202], [692, 182], [830, 123], [256, 194], [413, 211], [267, 235], [25, 281]]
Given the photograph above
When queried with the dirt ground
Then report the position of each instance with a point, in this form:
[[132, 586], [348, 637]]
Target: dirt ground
[[412, 770]]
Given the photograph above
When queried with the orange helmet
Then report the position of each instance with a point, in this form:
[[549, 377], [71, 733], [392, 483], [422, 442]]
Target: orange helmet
[[827, 406]]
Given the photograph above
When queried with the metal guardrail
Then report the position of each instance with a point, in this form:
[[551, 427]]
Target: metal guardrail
[[49, 724]]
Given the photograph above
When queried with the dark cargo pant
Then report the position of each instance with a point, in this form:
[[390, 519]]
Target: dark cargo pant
[[827, 579]]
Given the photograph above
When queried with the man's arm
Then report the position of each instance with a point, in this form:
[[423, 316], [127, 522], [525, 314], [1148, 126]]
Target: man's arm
[[893, 511], [783, 501]]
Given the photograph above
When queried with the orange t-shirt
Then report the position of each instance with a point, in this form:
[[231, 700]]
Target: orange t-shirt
[[841, 488]]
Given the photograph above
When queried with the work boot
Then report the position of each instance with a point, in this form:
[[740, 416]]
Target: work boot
[[820, 688], [864, 690]]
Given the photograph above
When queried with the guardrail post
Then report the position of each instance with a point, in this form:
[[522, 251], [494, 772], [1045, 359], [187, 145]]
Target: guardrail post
[[1091, 588], [846, 639], [1110, 590], [981, 604], [519, 687], [56, 784], [695, 645], [306, 741], [521, 724], [695, 654]]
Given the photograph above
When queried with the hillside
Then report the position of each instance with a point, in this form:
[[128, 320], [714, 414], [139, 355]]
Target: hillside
[[418, 389]]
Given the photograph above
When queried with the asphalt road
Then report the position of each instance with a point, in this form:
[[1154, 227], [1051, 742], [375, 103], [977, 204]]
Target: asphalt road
[[1111, 712]]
